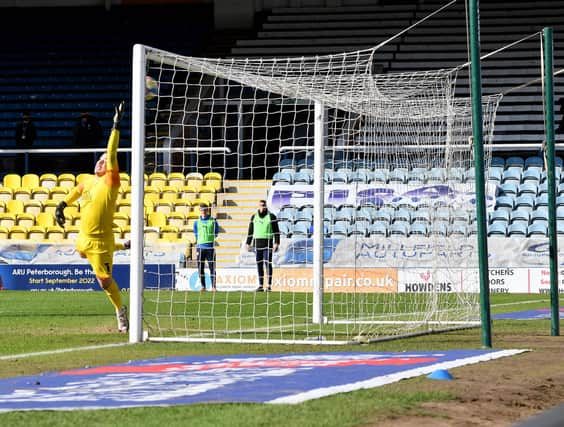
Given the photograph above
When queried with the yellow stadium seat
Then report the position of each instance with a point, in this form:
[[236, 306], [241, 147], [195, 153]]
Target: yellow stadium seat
[[169, 192], [67, 180], [48, 180], [201, 201], [176, 219], [124, 180], [25, 220], [151, 234], [71, 232], [58, 193], [22, 193], [6, 193], [123, 206], [30, 180], [188, 192], [208, 194], [195, 179], [72, 217], [121, 219], [125, 192], [213, 179], [182, 206], [2, 206], [17, 232], [126, 232], [149, 206], [54, 234], [45, 219], [187, 234], [40, 193], [7, 220], [169, 233], [50, 206], [176, 179], [33, 207], [72, 209], [36, 233], [157, 179], [152, 193], [117, 232], [81, 177], [15, 206], [164, 206], [156, 219], [12, 180], [4, 231]]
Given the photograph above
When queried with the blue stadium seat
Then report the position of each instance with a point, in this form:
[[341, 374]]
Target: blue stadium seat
[[460, 215], [383, 215], [301, 229], [525, 201], [341, 229], [495, 175], [399, 229], [283, 177], [303, 177], [398, 175], [359, 229], [538, 228], [512, 174], [528, 187], [442, 214], [437, 175], [380, 176], [539, 214], [504, 202], [497, 228], [360, 176], [378, 228], [541, 200], [536, 162], [517, 229], [509, 188], [519, 215], [515, 161], [417, 176], [532, 174], [439, 229], [286, 228], [401, 215], [470, 174], [328, 176], [499, 215], [421, 215], [342, 176], [497, 161], [560, 226], [419, 229], [458, 229], [456, 174]]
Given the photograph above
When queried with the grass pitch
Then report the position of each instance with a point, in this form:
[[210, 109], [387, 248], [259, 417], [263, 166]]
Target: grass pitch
[[32, 322]]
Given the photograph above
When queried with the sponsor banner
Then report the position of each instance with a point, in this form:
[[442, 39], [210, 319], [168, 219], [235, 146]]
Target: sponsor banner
[[510, 280], [25, 252], [337, 280], [540, 281], [227, 279], [49, 277], [277, 378], [357, 194]]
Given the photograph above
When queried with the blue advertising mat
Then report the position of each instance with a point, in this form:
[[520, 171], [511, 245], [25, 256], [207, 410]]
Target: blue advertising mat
[[541, 313], [279, 378]]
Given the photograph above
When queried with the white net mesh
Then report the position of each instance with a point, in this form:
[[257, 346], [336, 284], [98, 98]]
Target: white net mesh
[[399, 234]]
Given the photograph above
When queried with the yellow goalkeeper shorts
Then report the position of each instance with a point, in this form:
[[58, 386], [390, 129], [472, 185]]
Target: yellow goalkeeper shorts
[[99, 252]]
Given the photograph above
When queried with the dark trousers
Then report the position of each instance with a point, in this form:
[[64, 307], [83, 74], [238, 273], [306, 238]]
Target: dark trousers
[[264, 256], [206, 254]]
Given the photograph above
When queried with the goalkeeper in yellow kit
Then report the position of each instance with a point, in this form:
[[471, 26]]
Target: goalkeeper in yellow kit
[[98, 203]]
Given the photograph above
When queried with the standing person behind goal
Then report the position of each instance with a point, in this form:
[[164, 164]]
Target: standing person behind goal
[[205, 230], [98, 203], [263, 230]]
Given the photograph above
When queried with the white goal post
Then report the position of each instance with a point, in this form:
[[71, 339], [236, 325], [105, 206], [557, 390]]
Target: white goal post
[[376, 206]]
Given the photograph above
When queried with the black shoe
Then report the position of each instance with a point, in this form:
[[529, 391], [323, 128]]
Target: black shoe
[[269, 289], [259, 289]]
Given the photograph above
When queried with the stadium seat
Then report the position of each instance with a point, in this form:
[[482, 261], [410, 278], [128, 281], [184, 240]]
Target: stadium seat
[[528, 187], [417, 176], [341, 229], [176, 219], [151, 234], [536, 162], [525, 201], [517, 229], [560, 213], [182, 206], [123, 206], [2, 206], [17, 232], [195, 180], [532, 174], [58, 193], [169, 233], [71, 232], [419, 229], [455, 174], [515, 162], [40, 193], [539, 214], [541, 201], [497, 161], [4, 232], [283, 177], [460, 214], [6, 194], [188, 192], [329, 213], [158, 179], [384, 214], [124, 180], [398, 175], [199, 201], [303, 177], [170, 193], [437, 175], [30, 180], [509, 188], [22, 193], [458, 229], [164, 206], [504, 202], [399, 229], [156, 219], [121, 219], [54, 234], [14, 206], [301, 229], [499, 215], [519, 215], [45, 219], [152, 193], [176, 179], [470, 175], [207, 193], [12, 180], [512, 174], [538, 229], [497, 228], [66, 180], [186, 234], [360, 177], [25, 219], [36, 233], [421, 216], [360, 229], [48, 180], [495, 175], [378, 229]]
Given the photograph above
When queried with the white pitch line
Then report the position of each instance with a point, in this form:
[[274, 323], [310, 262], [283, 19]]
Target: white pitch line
[[63, 350]]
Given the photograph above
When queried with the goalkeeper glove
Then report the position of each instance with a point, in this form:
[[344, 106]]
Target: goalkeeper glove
[[118, 114], [127, 244], [60, 213]]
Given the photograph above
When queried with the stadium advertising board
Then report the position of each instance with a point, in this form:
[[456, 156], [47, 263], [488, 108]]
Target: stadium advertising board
[[52, 277]]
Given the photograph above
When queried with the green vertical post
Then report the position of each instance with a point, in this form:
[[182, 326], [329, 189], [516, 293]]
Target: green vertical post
[[550, 165], [476, 92]]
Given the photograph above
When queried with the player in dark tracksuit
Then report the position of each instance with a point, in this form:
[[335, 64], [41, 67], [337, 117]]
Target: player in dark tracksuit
[[263, 230]]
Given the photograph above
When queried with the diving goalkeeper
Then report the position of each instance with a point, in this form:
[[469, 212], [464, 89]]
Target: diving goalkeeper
[[95, 240]]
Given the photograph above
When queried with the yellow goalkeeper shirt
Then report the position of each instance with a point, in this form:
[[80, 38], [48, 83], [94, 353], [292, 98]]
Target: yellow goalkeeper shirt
[[98, 196]]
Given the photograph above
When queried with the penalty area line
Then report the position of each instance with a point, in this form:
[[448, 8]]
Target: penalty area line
[[62, 350]]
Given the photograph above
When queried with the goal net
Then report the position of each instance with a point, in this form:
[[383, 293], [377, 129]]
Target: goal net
[[371, 177]]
